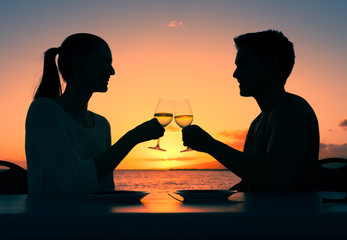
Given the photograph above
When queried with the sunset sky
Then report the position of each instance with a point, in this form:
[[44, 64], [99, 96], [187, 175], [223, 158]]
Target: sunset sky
[[176, 49]]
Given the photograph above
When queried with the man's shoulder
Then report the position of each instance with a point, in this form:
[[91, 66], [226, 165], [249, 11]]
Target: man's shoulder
[[292, 102], [293, 108]]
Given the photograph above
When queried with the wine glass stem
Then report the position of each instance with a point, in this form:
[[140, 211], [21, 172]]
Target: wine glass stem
[[157, 147], [188, 149]]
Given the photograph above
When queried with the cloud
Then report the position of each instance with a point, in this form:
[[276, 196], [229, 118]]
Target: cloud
[[343, 123], [174, 24], [333, 150], [238, 145], [234, 134], [172, 159], [234, 138]]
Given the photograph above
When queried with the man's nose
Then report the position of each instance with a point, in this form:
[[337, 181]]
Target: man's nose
[[235, 74]]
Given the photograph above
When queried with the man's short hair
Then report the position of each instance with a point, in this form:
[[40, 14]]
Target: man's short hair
[[269, 43]]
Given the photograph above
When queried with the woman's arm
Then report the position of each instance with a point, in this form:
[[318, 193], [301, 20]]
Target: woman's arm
[[107, 161], [47, 138]]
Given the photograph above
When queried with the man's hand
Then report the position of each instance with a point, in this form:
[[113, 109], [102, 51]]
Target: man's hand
[[196, 138]]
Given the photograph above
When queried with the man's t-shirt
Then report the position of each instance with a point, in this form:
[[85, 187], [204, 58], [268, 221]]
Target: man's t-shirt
[[259, 134]]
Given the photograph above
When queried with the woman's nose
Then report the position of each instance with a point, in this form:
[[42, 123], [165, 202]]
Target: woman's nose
[[112, 71]]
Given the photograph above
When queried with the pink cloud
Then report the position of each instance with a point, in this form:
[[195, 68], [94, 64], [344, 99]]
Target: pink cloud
[[333, 150], [343, 123], [174, 24], [234, 134], [236, 144], [235, 138]]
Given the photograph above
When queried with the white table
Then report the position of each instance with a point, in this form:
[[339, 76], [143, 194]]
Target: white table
[[158, 216]]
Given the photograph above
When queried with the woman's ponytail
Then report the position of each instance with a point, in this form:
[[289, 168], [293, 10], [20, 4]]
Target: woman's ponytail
[[50, 86]]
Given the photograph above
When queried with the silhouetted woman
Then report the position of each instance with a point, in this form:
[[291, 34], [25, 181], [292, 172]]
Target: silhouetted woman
[[68, 147]]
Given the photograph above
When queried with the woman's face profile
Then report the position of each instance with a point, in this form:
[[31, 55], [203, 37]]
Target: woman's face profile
[[97, 68]]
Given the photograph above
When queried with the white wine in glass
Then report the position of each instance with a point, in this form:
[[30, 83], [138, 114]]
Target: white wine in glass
[[163, 113], [184, 120], [163, 118], [183, 115]]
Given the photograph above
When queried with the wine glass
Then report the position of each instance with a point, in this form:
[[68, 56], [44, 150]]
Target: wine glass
[[163, 112], [183, 115]]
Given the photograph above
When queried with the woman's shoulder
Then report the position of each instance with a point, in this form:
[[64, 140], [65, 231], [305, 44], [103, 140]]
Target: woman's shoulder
[[43, 103], [43, 110], [100, 119], [98, 116], [42, 107]]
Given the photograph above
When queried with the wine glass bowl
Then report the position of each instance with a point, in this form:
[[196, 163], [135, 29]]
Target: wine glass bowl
[[164, 118], [163, 112], [184, 120], [183, 115]]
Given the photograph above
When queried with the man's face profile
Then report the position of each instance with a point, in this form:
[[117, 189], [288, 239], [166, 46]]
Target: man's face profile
[[249, 72]]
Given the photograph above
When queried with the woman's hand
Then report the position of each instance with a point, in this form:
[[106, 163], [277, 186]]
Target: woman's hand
[[196, 138], [148, 131]]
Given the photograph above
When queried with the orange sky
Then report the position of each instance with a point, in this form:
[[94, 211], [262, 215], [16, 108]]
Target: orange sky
[[176, 49]]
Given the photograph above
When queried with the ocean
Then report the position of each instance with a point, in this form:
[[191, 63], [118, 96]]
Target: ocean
[[171, 180]]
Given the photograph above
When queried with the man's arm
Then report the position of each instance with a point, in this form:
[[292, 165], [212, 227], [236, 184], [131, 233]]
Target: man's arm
[[274, 170]]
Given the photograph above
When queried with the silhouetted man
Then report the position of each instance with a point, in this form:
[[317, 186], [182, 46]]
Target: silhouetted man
[[282, 144]]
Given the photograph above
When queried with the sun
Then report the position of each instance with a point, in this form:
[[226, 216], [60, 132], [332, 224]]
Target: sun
[[172, 143]]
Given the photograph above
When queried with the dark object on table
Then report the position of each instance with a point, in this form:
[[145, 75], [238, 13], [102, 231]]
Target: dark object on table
[[13, 180], [332, 175]]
